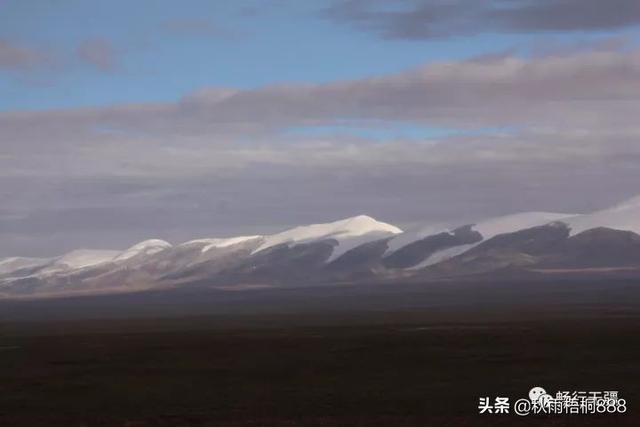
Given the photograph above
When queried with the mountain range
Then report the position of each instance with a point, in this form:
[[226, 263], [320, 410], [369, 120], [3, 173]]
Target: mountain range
[[353, 250]]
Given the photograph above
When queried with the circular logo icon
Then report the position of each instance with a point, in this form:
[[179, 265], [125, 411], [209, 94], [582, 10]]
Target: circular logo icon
[[539, 396]]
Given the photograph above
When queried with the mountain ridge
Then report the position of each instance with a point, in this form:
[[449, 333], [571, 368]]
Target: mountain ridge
[[354, 249]]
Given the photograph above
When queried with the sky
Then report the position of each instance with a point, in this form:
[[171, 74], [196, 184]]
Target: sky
[[122, 121]]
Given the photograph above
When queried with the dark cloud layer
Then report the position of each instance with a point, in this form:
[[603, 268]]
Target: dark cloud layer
[[423, 19]]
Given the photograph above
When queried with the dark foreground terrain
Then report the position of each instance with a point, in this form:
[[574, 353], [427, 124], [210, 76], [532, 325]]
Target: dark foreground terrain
[[401, 364]]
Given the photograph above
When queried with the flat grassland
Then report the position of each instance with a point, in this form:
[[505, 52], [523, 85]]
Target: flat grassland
[[384, 368]]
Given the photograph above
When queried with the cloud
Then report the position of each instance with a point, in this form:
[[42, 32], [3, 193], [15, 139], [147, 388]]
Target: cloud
[[584, 93], [539, 132], [33, 64], [98, 53], [17, 57], [584, 89], [425, 19]]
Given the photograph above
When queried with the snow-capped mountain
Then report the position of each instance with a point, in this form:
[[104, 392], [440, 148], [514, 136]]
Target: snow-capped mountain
[[15, 264], [487, 229], [354, 249], [82, 258], [209, 244], [347, 233], [145, 248], [624, 216]]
